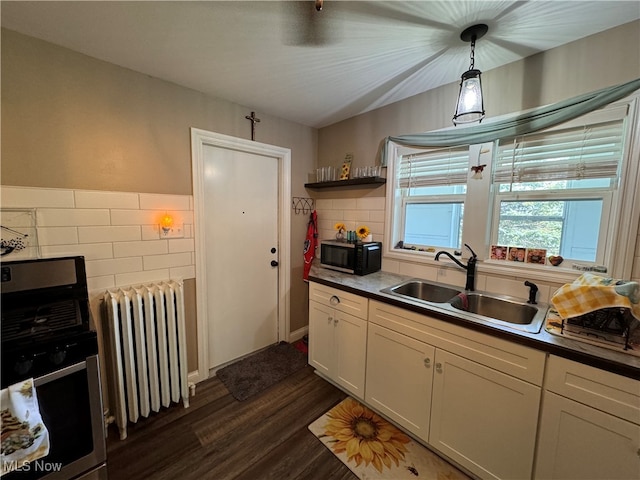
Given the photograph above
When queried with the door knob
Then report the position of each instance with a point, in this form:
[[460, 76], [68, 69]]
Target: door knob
[[273, 249], [274, 263]]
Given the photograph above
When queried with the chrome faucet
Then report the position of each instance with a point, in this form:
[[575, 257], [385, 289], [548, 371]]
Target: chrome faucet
[[470, 267]]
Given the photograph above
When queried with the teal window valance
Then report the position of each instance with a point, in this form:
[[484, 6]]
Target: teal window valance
[[520, 124]]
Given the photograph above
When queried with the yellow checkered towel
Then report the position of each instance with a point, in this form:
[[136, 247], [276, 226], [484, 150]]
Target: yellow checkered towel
[[590, 292]]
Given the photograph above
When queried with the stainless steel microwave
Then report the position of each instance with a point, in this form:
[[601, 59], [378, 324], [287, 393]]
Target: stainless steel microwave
[[360, 258]]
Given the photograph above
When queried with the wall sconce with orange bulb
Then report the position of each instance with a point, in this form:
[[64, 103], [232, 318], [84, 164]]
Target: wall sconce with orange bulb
[[166, 222], [168, 228]]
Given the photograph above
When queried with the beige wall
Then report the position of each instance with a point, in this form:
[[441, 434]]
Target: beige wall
[[70, 121]]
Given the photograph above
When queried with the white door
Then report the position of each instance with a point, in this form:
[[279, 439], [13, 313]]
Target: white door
[[241, 239]]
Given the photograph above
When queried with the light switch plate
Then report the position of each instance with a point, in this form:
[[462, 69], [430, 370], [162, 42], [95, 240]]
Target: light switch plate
[[177, 231]]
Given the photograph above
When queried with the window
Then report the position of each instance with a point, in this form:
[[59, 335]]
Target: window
[[570, 190], [554, 190], [431, 190]]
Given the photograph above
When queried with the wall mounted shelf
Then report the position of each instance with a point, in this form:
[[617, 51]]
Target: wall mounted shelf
[[353, 182]]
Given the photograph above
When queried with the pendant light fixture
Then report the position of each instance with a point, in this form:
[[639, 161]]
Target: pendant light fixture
[[470, 106]]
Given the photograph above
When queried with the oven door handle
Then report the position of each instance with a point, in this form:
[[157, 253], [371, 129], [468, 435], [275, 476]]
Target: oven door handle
[[50, 377]]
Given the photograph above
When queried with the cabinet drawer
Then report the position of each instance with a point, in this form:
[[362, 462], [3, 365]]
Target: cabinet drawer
[[510, 358], [338, 299], [606, 391]]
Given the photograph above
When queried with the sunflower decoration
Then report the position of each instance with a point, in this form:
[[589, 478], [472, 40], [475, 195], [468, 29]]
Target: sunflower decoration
[[365, 436], [363, 232], [340, 227]]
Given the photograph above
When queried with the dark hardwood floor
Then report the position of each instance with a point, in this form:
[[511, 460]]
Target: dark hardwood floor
[[218, 437]]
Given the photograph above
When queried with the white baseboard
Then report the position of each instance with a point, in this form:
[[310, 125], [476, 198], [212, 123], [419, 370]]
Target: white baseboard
[[298, 334]]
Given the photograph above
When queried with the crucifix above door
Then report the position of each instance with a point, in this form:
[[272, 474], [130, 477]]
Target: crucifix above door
[[253, 119]]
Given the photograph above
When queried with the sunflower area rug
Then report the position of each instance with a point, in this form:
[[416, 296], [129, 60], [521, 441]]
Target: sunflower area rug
[[373, 448]]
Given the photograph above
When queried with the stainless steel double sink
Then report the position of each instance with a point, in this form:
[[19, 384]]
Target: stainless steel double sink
[[475, 306]]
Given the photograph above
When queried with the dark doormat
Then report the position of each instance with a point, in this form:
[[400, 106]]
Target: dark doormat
[[261, 370]]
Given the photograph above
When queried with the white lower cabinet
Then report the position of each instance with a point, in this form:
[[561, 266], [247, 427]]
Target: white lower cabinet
[[590, 424], [337, 340], [581, 443], [483, 419], [399, 378], [476, 398], [468, 405]]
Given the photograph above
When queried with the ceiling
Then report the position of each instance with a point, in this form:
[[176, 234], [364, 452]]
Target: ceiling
[[315, 68]]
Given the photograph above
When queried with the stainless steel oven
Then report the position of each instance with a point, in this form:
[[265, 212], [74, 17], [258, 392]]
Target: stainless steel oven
[[46, 336]]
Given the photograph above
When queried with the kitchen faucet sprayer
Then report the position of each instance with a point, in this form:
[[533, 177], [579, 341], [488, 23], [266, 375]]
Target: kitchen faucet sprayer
[[470, 267]]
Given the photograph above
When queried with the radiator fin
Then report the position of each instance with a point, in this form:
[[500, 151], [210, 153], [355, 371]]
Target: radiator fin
[[146, 345]]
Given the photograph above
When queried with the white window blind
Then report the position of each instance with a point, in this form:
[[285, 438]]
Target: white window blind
[[434, 168], [587, 152]]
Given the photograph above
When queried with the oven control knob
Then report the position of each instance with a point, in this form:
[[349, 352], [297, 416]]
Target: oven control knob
[[57, 357], [23, 365]]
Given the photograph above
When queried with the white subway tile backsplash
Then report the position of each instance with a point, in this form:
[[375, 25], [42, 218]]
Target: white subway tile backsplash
[[108, 234], [344, 204], [152, 201], [370, 203], [324, 204], [131, 249], [179, 245], [138, 278], [331, 216], [58, 217], [136, 217], [114, 266], [57, 235], [358, 216], [184, 217], [417, 270], [96, 199], [93, 251], [377, 216], [28, 197], [150, 232], [99, 284], [452, 277], [155, 262], [183, 272], [116, 232]]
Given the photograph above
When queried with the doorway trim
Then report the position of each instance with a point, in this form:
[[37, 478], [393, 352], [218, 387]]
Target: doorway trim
[[200, 139]]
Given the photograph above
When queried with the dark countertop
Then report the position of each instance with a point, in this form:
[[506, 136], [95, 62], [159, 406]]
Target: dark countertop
[[370, 286]]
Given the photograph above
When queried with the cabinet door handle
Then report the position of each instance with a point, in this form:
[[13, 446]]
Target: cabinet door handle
[[427, 362], [334, 300], [330, 319], [439, 367], [335, 321]]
